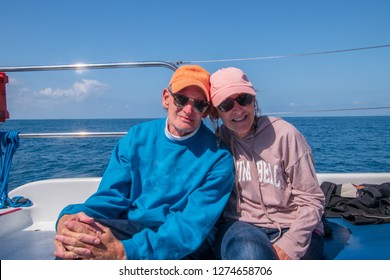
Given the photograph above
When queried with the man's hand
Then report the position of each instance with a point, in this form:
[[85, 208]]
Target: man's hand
[[80, 237], [74, 232], [109, 248]]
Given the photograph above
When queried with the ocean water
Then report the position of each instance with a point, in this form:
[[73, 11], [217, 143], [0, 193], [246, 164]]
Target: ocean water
[[339, 144]]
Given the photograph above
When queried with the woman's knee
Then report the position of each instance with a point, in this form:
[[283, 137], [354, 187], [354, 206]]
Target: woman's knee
[[245, 241]]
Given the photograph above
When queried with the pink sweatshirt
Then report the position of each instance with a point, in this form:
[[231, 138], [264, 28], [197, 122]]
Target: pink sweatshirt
[[279, 157]]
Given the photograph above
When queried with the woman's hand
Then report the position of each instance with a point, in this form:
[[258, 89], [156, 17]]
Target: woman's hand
[[280, 253]]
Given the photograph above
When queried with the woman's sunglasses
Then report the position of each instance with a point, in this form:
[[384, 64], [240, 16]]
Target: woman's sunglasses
[[180, 100], [243, 99]]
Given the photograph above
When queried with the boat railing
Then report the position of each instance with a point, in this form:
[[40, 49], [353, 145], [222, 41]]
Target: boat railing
[[71, 135], [83, 66]]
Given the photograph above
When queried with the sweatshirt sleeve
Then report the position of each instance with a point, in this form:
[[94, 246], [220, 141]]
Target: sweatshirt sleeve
[[184, 231], [309, 201], [306, 198]]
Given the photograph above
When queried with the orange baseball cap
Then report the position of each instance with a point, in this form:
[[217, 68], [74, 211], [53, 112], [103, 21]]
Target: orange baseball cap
[[191, 75]]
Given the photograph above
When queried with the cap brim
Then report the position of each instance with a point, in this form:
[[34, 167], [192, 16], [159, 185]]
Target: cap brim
[[183, 83]]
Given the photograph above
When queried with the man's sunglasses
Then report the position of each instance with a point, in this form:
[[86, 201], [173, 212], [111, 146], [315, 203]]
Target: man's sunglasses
[[243, 99], [180, 100]]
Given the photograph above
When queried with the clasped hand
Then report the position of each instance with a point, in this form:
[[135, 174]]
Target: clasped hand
[[81, 237]]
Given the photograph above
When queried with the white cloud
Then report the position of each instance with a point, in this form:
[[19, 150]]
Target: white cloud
[[78, 92], [13, 82]]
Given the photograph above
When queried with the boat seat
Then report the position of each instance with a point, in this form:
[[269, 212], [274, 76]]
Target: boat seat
[[357, 242]]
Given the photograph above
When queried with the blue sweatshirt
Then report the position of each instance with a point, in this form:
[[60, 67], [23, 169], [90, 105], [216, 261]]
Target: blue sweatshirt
[[176, 189]]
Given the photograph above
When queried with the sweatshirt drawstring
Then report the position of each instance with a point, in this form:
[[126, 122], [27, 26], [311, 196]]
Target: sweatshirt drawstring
[[239, 198], [236, 184], [276, 224]]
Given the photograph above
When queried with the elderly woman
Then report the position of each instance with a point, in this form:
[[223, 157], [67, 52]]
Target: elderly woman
[[275, 209]]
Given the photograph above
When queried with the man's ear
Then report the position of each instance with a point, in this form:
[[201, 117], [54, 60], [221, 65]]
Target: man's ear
[[165, 98]]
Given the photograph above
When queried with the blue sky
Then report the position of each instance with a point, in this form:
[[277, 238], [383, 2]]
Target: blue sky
[[69, 32]]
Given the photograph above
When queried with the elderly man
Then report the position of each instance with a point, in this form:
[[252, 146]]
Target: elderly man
[[164, 188]]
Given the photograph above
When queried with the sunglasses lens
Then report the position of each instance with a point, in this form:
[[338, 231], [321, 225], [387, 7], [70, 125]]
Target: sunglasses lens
[[200, 106], [226, 105], [180, 100], [244, 99]]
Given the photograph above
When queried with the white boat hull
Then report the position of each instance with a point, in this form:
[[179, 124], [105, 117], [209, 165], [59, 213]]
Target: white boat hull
[[28, 233]]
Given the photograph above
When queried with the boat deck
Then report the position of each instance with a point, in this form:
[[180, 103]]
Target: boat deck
[[349, 242], [28, 245]]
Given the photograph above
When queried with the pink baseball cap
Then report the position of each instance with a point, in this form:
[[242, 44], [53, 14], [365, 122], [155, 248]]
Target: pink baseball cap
[[228, 81]]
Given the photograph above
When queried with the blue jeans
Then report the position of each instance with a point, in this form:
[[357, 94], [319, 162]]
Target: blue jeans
[[238, 240]]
